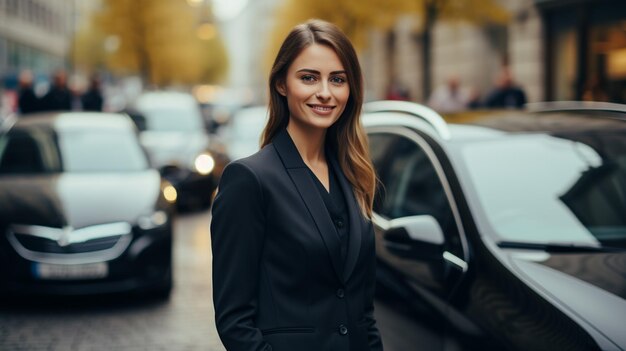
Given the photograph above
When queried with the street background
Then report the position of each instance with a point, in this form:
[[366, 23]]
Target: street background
[[454, 56]]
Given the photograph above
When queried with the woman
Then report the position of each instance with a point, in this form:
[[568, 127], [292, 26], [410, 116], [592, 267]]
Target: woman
[[293, 246]]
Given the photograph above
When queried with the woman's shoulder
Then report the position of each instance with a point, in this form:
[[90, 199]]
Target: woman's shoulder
[[259, 163]]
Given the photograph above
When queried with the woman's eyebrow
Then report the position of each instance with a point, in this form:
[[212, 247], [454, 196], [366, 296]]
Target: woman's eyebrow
[[307, 70]]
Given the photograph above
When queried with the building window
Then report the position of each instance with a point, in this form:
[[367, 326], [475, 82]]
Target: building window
[[588, 54]]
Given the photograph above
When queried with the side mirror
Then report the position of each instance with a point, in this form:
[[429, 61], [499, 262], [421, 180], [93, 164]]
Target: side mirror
[[416, 237]]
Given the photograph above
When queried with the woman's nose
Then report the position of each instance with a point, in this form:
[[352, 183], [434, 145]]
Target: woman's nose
[[323, 93]]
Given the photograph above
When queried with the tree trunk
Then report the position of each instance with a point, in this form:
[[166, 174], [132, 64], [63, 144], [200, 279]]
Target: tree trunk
[[141, 46], [430, 15]]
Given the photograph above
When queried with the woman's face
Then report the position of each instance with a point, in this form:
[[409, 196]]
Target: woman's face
[[316, 88]]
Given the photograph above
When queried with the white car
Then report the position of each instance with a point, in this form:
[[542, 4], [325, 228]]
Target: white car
[[174, 135], [242, 134]]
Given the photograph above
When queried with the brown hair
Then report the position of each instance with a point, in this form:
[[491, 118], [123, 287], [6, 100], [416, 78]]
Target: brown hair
[[346, 136]]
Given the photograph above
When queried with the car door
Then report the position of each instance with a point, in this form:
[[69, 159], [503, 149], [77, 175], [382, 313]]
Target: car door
[[412, 187]]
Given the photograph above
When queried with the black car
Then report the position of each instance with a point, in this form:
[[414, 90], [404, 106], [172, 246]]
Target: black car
[[81, 211], [511, 229], [172, 131]]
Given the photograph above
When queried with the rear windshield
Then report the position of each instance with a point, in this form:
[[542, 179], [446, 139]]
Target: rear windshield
[[180, 118], [38, 151]]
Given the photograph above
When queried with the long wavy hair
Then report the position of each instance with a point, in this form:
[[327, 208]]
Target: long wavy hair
[[346, 136]]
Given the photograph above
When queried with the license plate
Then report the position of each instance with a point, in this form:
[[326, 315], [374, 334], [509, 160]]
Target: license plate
[[70, 271]]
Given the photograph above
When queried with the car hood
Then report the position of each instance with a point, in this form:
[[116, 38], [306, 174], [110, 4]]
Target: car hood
[[173, 148], [78, 200], [591, 285]]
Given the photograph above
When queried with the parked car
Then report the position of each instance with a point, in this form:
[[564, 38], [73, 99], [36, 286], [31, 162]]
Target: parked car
[[81, 211], [511, 228], [242, 134], [172, 131]]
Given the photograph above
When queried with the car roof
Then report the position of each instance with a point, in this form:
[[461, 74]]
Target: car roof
[[68, 121]]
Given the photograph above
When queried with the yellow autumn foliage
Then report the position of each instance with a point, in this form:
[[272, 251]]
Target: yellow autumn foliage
[[357, 17], [156, 39]]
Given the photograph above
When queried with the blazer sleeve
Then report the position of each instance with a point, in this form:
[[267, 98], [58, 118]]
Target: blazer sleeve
[[373, 335], [237, 235]]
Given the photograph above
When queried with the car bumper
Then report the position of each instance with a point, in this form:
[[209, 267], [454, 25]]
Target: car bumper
[[145, 265]]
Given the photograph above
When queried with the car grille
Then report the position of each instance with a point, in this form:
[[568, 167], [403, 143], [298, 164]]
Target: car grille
[[50, 246], [88, 244]]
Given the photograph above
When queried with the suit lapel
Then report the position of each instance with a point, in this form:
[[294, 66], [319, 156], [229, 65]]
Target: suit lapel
[[354, 241], [298, 172]]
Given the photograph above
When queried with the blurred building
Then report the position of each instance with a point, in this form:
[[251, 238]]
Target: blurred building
[[585, 47], [34, 34], [247, 38], [556, 50]]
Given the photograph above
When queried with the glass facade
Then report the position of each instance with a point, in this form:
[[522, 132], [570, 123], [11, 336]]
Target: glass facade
[[587, 52]]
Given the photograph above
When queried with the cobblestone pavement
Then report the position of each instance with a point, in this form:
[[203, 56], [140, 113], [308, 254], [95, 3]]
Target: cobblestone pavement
[[184, 322]]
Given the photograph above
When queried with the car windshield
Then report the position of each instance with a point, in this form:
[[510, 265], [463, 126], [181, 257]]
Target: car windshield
[[173, 119], [558, 188], [248, 127], [39, 151], [99, 151]]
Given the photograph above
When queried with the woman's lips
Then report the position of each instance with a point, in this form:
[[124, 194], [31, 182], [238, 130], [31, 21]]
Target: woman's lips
[[321, 109]]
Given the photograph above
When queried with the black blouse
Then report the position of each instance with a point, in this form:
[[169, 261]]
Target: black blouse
[[335, 202]]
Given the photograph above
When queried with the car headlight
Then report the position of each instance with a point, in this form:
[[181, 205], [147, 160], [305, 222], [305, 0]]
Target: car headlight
[[169, 192], [204, 164], [156, 219]]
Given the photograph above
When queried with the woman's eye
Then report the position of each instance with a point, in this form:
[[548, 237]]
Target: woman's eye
[[308, 78], [337, 80]]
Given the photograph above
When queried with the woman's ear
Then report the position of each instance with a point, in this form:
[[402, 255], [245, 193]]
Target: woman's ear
[[281, 88]]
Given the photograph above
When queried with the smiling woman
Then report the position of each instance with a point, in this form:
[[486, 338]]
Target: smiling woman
[[316, 89], [293, 245]]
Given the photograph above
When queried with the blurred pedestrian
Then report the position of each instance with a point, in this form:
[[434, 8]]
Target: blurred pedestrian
[[59, 97], [27, 100], [506, 94], [449, 97], [292, 237], [474, 102], [92, 98], [397, 91], [594, 90]]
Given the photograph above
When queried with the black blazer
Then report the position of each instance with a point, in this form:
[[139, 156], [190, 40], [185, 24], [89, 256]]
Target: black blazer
[[279, 282]]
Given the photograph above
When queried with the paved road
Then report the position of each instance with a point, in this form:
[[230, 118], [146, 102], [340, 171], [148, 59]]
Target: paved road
[[184, 322]]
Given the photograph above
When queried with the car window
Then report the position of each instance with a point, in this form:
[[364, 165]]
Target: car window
[[179, 118], [101, 151], [410, 184], [28, 152]]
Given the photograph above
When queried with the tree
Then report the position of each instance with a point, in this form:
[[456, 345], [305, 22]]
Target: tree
[[354, 17], [357, 17], [155, 39], [479, 12]]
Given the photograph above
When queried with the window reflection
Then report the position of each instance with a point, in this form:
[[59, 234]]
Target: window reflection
[[560, 188], [38, 151]]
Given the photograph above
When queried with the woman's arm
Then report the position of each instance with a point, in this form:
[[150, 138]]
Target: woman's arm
[[237, 234], [373, 335]]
